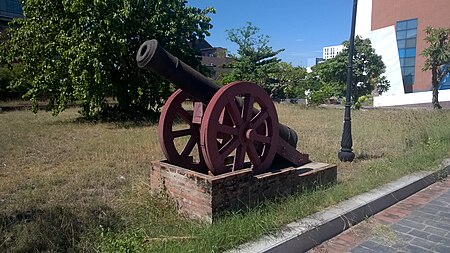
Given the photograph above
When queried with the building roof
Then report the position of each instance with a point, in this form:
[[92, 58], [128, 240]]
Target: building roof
[[216, 61], [201, 44]]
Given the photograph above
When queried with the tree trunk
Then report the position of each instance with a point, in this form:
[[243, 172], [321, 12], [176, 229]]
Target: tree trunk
[[435, 84]]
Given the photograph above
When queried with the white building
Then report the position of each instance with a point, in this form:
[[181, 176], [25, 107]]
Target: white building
[[332, 51]]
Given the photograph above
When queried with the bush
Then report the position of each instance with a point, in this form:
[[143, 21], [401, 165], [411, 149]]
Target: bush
[[8, 87], [322, 95]]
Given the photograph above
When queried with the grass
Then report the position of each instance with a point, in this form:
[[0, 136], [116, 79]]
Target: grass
[[70, 186]]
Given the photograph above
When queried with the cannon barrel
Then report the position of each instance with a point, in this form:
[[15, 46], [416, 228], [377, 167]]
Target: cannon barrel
[[154, 58]]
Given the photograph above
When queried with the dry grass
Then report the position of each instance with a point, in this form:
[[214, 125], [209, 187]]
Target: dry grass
[[73, 186]]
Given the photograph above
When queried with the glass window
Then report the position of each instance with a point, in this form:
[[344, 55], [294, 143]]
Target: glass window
[[401, 34], [408, 80], [401, 43], [410, 52], [411, 43], [409, 62], [406, 31], [412, 23], [411, 33], [401, 25], [408, 71]]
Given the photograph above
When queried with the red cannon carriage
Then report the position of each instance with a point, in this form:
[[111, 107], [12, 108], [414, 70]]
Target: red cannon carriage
[[229, 128]]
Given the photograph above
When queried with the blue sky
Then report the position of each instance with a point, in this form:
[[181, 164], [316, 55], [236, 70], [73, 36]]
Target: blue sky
[[301, 27]]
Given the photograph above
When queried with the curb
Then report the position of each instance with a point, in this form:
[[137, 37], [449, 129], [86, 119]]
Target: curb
[[313, 230]]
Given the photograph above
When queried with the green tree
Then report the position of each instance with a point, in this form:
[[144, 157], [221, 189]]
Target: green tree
[[437, 58], [368, 68], [288, 81], [255, 60], [84, 50]]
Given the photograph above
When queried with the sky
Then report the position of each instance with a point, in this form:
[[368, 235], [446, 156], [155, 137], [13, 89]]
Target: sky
[[301, 27]]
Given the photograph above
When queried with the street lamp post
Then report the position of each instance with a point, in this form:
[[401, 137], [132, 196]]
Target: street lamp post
[[346, 153]]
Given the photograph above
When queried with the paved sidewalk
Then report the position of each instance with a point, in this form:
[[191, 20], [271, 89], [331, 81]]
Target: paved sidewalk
[[420, 223]]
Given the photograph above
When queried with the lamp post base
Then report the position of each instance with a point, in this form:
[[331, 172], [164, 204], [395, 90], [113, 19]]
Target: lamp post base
[[346, 156]]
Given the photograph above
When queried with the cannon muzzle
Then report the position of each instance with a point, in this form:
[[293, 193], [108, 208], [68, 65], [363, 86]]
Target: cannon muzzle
[[153, 57]]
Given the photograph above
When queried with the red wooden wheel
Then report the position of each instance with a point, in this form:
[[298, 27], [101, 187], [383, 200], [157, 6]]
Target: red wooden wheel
[[251, 134], [178, 135]]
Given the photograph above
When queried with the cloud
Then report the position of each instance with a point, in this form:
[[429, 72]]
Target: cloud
[[299, 40]]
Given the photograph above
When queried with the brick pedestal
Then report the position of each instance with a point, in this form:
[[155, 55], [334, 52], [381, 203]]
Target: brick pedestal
[[204, 197]]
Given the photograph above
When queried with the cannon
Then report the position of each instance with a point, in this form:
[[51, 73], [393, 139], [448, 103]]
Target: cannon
[[228, 128]]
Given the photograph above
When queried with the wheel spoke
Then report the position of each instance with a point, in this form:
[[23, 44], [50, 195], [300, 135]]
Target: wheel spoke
[[189, 147], [259, 118], [185, 116], [234, 112], [181, 133], [228, 148], [227, 130], [247, 109], [238, 162], [261, 138], [200, 153], [253, 154]]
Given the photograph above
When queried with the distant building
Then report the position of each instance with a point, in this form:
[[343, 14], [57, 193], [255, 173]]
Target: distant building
[[9, 9], [332, 51], [314, 61], [396, 30], [214, 58]]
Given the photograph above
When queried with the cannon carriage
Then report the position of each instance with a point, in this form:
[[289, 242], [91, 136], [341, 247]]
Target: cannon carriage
[[230, 127]]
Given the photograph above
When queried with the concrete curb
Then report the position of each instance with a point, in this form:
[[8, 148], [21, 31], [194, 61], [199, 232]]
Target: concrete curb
[[311, 231]]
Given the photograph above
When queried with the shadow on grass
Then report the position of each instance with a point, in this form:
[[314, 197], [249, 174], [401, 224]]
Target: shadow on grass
[[56, 229], [363, 156]]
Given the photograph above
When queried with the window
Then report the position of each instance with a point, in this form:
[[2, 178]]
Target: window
[[406, 31]]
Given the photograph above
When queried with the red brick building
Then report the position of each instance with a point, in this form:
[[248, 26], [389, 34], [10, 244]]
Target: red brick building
[[410, 18]]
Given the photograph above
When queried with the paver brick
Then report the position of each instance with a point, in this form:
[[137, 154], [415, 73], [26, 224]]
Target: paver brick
[[438, 224], [436, 231], [414, 249], [361, 249], [422, 243], [403, 237], [401, 228], [412, 224], [441, 249], [437, 239], [377, 247], [418, 233], [421, 223]]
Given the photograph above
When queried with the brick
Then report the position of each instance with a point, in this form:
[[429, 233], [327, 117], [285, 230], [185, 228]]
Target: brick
[[377, 247], [412, 224], [204, 196], [438, 239], [417, 214], [437, 224], [422, 243], [415, 249], [404, 238], [418, 233], [441, 249], [401, 228], [429, 210], [436, 231], [361, 249]]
